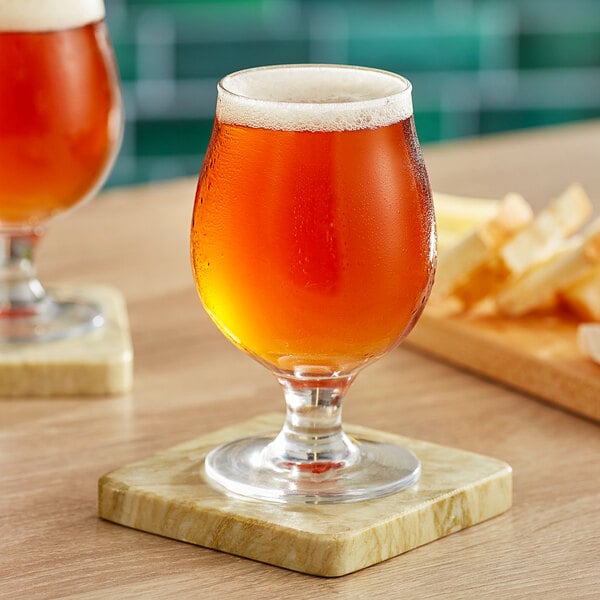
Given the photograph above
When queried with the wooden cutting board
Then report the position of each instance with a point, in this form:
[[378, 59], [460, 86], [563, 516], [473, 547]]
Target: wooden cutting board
[[537, 354]]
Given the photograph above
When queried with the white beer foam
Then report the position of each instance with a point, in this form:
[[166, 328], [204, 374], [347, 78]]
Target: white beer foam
[[48, 15], [314, 98]]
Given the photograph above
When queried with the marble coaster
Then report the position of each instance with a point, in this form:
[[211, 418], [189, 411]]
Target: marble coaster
[[167, 494], [97, 363]]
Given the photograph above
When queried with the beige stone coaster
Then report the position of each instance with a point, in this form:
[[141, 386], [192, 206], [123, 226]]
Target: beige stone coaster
[[167, 494], [97, 363]]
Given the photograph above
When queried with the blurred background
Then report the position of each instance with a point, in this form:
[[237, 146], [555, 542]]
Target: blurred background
[[477, 66]]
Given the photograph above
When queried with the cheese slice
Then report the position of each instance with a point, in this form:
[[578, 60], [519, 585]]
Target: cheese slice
[[458, 266], [588, 340]]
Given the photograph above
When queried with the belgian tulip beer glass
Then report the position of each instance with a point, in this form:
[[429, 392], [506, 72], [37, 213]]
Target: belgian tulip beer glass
[[313, 250], [60, 128]]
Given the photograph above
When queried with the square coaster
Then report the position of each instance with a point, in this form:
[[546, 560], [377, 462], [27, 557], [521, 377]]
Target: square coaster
[[97, 363], [168, 494]]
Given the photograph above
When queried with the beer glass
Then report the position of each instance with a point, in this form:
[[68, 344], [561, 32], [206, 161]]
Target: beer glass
[[313, 250], [60, 129]]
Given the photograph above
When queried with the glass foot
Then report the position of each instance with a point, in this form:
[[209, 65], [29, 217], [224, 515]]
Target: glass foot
[[52, 319], [245, 467]]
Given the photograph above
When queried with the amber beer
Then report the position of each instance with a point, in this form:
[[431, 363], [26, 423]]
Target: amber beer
[[59, 107], [313, 231]]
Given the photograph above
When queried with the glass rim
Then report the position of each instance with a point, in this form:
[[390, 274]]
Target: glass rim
[[223, 89]]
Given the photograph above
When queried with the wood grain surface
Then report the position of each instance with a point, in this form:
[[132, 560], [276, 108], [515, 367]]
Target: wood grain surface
[[536, 353], [189, 381]]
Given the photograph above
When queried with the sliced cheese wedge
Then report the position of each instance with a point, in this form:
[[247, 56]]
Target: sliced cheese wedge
[[583, 298], [459, 264], [588, 340], [541, 284], [537, 242], [456, 215]]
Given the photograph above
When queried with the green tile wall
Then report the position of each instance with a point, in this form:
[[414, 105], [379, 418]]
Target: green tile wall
[[548, 50], [477, 66], [171, 137], [209, 59], [492, 121]]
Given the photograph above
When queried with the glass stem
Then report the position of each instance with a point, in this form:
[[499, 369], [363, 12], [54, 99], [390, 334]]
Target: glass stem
[[21, 293], [312, 437]]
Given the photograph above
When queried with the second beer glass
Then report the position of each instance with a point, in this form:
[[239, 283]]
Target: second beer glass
[[60, 129]]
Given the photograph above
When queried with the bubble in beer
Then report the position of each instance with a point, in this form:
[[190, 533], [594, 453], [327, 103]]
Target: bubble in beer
[[48, 15], [314, 98]]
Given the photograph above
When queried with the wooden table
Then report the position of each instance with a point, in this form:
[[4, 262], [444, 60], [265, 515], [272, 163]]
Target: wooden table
[[189, 380]]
